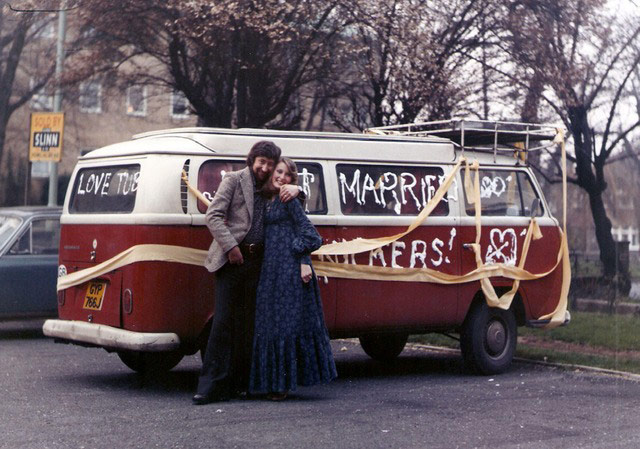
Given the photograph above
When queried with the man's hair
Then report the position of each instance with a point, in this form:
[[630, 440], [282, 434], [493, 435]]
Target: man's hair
[[264, 148]]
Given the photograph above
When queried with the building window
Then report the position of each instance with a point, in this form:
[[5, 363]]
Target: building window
[[137, 101], [42, 100], [91, 97], [179, 105]]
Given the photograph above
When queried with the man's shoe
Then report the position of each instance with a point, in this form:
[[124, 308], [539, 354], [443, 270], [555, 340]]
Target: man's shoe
[[203, 399]]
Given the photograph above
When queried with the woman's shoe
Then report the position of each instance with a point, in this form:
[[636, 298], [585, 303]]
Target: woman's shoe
[[277, 396]]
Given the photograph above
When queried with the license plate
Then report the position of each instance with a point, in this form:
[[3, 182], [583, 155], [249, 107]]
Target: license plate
[[94, 296]]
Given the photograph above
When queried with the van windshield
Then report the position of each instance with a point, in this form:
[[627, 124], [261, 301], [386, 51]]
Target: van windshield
[[109, 189]]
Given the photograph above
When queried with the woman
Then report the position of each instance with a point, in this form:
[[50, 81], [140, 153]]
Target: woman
[[291, 343]]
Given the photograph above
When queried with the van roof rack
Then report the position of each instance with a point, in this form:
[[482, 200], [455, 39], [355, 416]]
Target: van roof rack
[[479, 135]]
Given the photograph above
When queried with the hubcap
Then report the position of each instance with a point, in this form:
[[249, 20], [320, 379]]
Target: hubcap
[[496, 337]]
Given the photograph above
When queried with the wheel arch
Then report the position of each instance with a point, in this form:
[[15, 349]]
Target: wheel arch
[[517, 305]]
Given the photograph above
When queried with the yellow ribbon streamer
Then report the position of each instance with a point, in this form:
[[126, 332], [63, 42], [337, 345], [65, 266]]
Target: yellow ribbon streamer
[[137, 253], [557, 317], [361, 245]]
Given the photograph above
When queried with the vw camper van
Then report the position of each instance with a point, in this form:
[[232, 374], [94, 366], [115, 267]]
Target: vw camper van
[[133, 238]]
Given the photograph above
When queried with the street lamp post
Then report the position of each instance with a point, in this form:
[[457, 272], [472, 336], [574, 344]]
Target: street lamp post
[[57, 98]]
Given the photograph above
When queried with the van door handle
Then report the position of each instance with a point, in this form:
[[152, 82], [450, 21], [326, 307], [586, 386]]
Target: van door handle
[[468, 246]]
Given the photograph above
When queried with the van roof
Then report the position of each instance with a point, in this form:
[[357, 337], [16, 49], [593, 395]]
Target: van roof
[[296, 144]]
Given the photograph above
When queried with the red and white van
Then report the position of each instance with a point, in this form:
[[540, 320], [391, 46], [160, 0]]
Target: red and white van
[[153, 312]]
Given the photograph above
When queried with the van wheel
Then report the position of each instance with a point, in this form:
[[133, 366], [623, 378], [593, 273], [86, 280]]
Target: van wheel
[[488, 339], [383, 347], [148, 362]]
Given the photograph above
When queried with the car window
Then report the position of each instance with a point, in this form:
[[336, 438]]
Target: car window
[[45, 236], [42, 237], [505, 193], [8, 226]]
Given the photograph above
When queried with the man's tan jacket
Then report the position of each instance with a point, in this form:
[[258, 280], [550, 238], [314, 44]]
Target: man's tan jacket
[[229, 216]]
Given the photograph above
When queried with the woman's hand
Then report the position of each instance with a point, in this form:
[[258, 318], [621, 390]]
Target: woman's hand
[[305, 272]]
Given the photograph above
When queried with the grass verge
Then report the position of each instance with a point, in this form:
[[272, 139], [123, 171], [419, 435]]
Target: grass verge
[[591, 339]]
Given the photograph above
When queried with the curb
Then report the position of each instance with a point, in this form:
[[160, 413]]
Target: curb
[[566, 366]]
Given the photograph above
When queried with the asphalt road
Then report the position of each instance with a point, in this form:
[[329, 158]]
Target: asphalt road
[[62, 396]]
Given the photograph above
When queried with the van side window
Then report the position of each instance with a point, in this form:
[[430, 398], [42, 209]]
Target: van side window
[[389, 190], [105, 189], [312, 182], [309, 177], [210, 175], [505, 193]]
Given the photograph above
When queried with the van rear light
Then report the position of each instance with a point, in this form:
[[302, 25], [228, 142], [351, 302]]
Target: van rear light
[[61, 298], [127, 301]]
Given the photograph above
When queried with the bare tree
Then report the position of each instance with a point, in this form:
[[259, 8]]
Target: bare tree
[[237, 62], [407, 61], [584, 57], [19, 80]]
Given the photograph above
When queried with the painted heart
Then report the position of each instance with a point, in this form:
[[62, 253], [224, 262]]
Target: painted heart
[[503, 247]]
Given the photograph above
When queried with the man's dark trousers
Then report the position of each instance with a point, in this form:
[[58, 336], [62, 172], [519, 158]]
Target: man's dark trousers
[[227, 362]]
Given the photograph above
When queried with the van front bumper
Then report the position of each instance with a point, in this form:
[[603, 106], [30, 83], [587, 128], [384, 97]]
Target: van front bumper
[[109, 337]]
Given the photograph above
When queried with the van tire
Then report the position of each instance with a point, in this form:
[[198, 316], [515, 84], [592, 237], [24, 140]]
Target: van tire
[[383, 347], [488, 339], [149, 362]]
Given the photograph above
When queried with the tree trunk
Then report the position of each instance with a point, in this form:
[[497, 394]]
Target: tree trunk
[[606, 244], [241, 98], [594, 184]]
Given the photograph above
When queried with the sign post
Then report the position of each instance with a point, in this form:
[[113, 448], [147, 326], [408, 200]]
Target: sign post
[[45, 136]]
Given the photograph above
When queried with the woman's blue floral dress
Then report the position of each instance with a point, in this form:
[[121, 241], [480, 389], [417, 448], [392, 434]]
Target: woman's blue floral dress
[[291, 343]]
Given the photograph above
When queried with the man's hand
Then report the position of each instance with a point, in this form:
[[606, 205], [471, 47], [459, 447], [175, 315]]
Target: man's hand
[[288, 192], [235, 256], [305, 272]]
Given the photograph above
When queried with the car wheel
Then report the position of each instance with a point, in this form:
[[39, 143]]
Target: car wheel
[[488, 339], [148, 362], [383, 347]]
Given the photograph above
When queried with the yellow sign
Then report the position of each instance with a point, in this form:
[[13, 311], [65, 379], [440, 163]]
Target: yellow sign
[[45, 137]]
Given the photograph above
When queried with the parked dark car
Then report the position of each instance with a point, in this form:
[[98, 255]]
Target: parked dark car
[[29, 238]]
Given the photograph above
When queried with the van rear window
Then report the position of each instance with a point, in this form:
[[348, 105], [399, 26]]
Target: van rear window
[[105, 189], [389, 190]]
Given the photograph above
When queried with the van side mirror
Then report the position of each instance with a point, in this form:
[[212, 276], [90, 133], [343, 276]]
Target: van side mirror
[[535, 204]]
